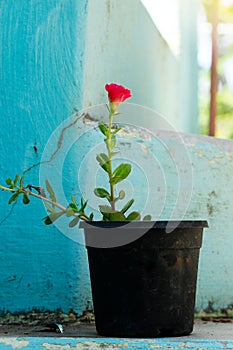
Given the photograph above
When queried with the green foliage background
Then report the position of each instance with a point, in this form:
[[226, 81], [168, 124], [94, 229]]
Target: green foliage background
[[224, 118]]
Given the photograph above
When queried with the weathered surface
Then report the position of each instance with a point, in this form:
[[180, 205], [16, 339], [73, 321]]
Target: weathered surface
[[38, 318], [206, 336], [175, 176], [42, 84], [42, 46], [127, 47], [187, 177]]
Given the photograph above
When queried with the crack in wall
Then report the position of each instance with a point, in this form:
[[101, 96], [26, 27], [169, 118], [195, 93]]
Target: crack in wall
[[59, 145], [9, 213]]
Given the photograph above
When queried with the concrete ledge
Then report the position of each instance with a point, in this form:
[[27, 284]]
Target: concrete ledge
[[49, 343], [206, 335]]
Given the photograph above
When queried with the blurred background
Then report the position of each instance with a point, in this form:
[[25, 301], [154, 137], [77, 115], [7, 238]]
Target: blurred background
[[215, 59], [177, 22]]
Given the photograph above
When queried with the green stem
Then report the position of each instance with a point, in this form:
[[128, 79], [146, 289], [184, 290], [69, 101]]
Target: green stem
[[108, 143], [57, 205]]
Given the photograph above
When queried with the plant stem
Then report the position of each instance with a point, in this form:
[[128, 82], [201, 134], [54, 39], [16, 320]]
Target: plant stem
[[83, 217], [109, 148]]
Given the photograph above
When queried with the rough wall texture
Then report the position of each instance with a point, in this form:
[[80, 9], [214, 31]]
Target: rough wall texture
[[42, 45], [175, 176], [183, 176], [42, 82], [124, 45], [212, 199]]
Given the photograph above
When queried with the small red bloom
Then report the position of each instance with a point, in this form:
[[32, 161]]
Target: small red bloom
[[117, 93]]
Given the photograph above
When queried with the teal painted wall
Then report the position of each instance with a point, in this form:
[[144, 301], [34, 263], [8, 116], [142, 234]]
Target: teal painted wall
[[175, 176], [47, 73], [42, 343], [42, 44], [127, 47], [188, 72], [184, 176]]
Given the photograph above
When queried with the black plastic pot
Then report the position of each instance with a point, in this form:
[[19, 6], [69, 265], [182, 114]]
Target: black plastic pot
[[145, 287]]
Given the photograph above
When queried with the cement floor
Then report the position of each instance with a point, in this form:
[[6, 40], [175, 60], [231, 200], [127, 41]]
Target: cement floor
[[206, 335], [202, 330]]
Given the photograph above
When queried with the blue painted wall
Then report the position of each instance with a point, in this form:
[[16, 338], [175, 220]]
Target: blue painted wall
[[175, 176], [44, 60], [42, 45], [127, 46]]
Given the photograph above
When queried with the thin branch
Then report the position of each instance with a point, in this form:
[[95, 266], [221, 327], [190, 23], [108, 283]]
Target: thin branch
[[63, 209], [214, 73]]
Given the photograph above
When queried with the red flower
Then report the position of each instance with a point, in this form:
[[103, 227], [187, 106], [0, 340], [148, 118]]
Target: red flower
[[117, 93]]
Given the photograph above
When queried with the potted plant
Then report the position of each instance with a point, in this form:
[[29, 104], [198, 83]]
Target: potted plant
[[143, 276]]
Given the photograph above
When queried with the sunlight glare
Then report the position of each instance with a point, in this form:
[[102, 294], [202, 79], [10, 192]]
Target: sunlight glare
[[227, 2]]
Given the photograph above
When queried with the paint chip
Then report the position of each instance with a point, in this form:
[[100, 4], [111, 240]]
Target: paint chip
[[14, 343]]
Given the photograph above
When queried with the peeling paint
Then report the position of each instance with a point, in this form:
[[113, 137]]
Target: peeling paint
[[115, 343], [144, 148], [210, 209], [61, 347], [87, 345], [14, 343], [89, 120], [42, 81], [35, 317], [206, 335], [213, 194], [136, 133], [46, 260]]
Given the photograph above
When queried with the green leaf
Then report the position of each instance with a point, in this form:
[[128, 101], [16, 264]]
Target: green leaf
[[91, 216], [74, 200], [17, 177], [105, 216], [120, 173], [13, 198], [105, 209], [83, 205], [115, 131], [26, 200], [114, 154], [21, 182], [133, 216], [102, 193], [48, 220], [9, 181], [147, 218], [127, 205], [48, 208], [117, 216], [121, 194], [51, 191], [69, 211], [103, 161], [113, 142], [73, 207], [74, 222], [103, 128], [55, 216]]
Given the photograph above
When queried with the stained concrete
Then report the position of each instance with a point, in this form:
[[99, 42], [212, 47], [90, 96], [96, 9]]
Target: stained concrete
[[206, 335], [202, 330]]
